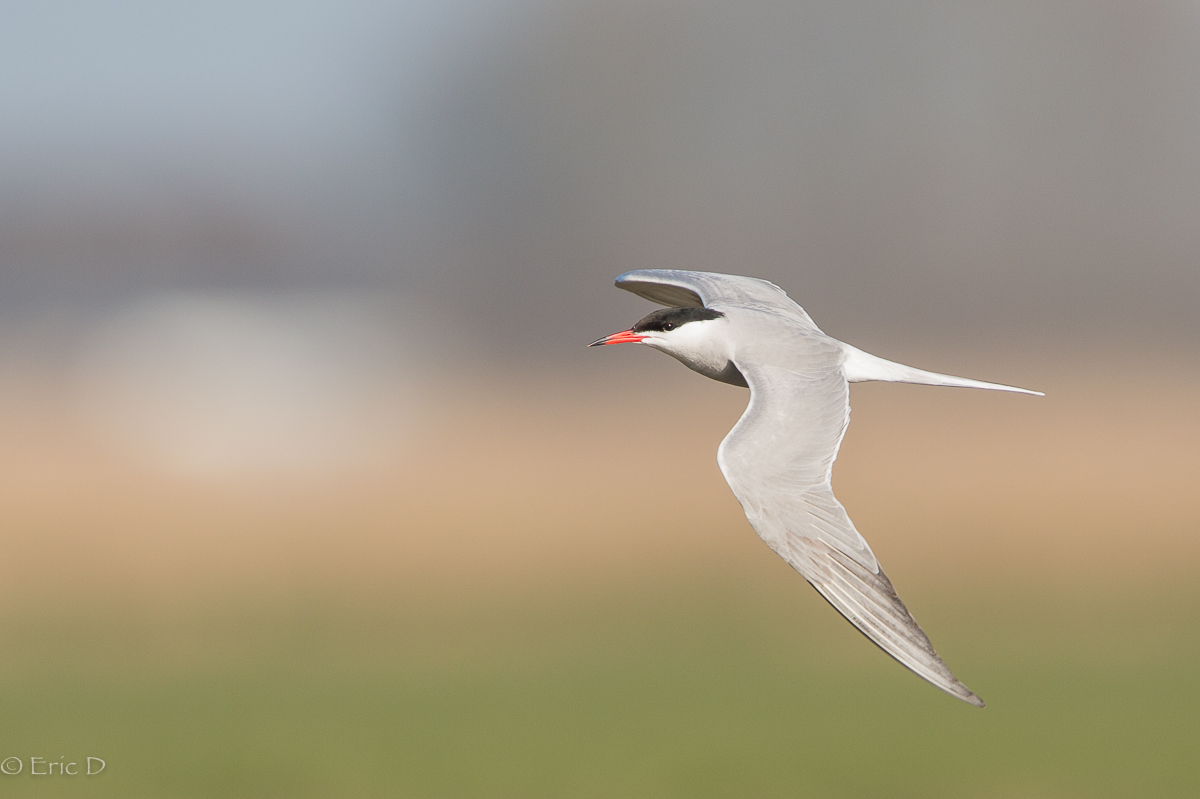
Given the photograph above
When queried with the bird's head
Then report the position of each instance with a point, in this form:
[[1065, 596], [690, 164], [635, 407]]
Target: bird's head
[[676, 331]]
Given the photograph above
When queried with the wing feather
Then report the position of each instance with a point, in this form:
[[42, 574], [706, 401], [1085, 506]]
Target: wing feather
[[778, 459], [684, 289]]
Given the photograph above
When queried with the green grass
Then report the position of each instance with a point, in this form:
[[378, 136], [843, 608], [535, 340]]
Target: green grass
[[697, 692]]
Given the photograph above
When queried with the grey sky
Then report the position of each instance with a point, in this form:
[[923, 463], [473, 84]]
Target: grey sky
[[917, 169]]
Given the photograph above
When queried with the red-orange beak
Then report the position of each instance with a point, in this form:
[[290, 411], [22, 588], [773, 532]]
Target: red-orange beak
[[624, 337]]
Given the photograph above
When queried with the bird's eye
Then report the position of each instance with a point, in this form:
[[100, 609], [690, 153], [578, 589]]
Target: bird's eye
[[669, 326]]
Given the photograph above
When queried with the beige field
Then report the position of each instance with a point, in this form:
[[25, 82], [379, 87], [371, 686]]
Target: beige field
[[502, 485]]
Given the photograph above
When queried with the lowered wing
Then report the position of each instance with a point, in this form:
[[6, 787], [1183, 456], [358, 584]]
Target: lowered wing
[[778, 459]]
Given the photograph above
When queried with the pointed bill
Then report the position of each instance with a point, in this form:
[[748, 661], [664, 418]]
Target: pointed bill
[[624, 337]]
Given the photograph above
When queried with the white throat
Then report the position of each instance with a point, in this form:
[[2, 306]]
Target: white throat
[[703, 346]]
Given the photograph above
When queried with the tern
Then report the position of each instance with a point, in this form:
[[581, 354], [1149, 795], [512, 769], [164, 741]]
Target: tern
[[778, 459]]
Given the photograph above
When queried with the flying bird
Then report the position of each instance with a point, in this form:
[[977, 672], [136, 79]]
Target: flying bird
[[778, 459]]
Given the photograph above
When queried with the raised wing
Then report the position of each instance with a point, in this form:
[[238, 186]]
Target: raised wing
[[778, 459], [682, 289]]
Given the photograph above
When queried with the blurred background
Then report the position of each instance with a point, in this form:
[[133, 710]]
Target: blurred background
[[310, 487]]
